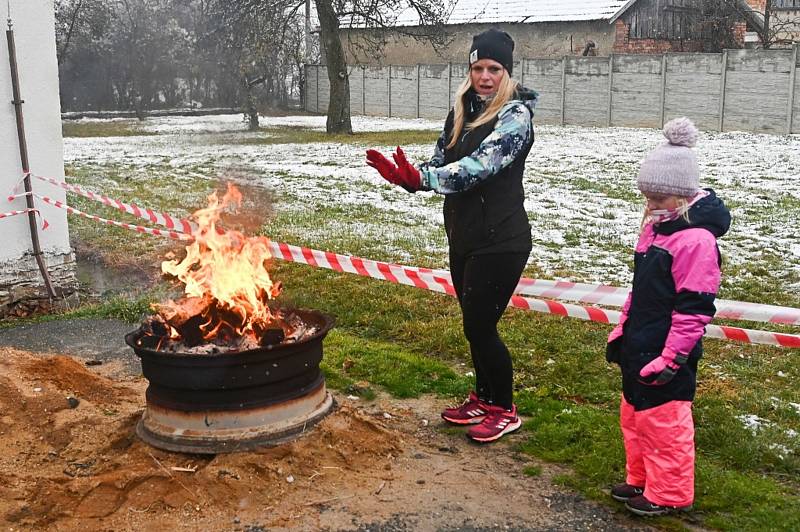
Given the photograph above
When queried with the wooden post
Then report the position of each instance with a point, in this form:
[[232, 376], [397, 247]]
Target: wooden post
[[317, 109], [364, 90], [663, 87], [418, 87], [722, 86], [792, 85], [563, 89], [389, 90], [610, 88]]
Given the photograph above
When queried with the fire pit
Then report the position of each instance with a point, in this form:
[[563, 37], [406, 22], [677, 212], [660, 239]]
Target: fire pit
[[227, 371], [225, 402]]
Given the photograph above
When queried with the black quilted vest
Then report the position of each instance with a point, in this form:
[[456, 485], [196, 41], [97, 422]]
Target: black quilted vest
[[490, 217]]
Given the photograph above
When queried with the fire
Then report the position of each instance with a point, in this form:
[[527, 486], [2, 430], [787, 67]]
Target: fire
[[227, 286]]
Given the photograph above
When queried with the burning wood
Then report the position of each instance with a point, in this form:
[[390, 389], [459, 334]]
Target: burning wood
[[158, 335], [226, 292]]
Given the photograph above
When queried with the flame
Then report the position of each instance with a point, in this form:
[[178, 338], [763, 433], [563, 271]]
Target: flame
[[227, 285]]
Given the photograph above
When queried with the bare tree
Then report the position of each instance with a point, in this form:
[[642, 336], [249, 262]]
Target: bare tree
[[252, 34], [772, 23], [338, 120], [378, 17], [146, 44], [716, 22], [78, 19], [146, 54]]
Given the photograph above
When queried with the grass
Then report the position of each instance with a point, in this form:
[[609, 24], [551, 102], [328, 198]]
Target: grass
[[409, 342], [569, 395], [130, 310], [116, 128], [299, 135], [120, 244]]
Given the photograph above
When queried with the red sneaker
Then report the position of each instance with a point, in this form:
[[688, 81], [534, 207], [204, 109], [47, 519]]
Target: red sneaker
[[472, 412], [498, 422]]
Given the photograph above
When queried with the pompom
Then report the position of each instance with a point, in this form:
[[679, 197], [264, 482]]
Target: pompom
[[681, 132]]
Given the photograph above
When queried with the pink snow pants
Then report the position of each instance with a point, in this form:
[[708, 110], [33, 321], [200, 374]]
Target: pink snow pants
[[659, 451]]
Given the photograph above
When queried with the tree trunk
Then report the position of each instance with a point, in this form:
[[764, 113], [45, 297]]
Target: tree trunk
[[251, 111], [339, 104], [767, 37]]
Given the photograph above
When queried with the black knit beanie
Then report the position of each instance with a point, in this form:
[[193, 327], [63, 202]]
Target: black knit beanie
[[493, 44]]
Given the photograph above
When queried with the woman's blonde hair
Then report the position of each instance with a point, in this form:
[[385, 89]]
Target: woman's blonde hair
[[505, 91], [682, 205]]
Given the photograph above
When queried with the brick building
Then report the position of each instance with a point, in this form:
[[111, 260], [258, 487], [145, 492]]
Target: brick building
[[547, 29], [785, 19], [657, 26]]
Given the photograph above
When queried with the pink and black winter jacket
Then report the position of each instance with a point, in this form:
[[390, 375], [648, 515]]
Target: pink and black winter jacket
[[675, 281]]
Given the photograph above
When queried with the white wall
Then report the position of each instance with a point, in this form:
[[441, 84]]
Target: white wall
[[33, 24]]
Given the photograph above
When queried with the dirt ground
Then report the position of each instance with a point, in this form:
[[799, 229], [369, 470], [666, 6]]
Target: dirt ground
[[71, 394], [70, 460]]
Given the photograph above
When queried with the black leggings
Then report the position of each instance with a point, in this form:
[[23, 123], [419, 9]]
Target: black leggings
[[484, 285]]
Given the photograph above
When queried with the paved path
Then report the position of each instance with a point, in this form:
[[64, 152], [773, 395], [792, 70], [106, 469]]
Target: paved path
[[96, 339]]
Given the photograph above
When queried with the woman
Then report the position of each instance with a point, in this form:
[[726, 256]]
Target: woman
[[478, 166]]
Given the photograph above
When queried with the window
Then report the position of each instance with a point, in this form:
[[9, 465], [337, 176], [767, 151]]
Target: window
[[786, 4]]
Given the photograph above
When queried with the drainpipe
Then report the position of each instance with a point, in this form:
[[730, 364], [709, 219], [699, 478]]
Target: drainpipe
[[23, 153]]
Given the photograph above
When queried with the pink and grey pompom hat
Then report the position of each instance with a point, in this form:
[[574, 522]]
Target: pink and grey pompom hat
[[671, 168]]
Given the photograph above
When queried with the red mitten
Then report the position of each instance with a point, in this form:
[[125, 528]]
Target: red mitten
[[409, 175], [384, 166]]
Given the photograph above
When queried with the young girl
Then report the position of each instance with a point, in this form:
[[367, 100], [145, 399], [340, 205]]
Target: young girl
[[658, 340], [478, 165]]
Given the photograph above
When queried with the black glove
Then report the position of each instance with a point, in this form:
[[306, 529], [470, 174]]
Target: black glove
[[614, 350]]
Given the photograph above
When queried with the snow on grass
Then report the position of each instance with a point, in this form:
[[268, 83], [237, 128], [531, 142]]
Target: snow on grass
[[753, 423], [359, 123], [236, 122], [174, 125], [580, 189]]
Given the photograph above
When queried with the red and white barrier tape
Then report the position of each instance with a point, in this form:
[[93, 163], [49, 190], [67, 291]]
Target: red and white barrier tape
[[17, 187], [440, 281], [614, 296], [593, 294], [159, 218], [9, 214], [175, 235], [437, 281]]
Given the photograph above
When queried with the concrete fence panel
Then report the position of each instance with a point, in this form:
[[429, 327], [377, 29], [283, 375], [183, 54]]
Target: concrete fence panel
[[586, 91], [376, 89], [545, 77], [750, 90], [636, 91], [312, 92], [356, 79], [458, 73], [793, 118], [694, 83], [324, 85], [404, 91], [757, 91], [434, 87]]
